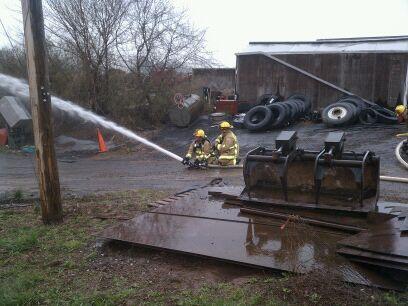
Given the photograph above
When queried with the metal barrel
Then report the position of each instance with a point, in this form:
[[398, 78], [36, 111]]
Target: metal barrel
[[183, 115]]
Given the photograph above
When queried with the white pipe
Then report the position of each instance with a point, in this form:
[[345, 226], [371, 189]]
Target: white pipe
[[394, 179], [398, 155]]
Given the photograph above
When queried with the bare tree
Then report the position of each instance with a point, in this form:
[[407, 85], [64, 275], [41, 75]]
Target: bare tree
[[89, 30], [160, 43], [161, 38]]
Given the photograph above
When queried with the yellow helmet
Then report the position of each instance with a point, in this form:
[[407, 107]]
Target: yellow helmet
[[225, 125], [400, 109], [199, 133]]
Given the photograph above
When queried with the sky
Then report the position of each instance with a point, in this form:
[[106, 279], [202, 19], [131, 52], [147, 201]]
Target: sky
[[230, 24]]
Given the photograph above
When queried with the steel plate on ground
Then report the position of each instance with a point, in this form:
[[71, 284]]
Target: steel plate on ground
[[212, 229], [386, 238]]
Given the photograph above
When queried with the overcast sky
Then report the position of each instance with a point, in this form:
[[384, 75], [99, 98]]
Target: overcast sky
[[232, 24]]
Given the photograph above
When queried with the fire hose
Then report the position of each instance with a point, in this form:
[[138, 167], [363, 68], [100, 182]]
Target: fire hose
[[398, 151]]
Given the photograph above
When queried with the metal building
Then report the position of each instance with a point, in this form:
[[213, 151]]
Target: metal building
[[375, 68]]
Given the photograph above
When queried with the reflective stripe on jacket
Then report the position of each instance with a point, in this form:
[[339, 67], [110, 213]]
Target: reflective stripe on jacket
[[200, 149], [227, 146]]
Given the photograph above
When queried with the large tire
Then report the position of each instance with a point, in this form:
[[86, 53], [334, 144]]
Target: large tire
[[338, 114], [279, 115], [368, 116], [383, 117], [306, 101], [294, 110], [258, 118], [266, 98], [288, 111], [354, 100], [297, 97], [358, 104], [383, 111], [356, 111]]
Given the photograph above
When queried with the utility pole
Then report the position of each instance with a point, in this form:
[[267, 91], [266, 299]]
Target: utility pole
[[40, 99]]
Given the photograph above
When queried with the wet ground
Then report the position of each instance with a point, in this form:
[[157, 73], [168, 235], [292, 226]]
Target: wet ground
[[144, 168]]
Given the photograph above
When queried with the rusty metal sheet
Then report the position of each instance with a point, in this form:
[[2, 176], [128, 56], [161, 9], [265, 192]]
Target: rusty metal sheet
[[251, 244], [385, 238], [198, 204], [207, 227], [359, 220], [380, 258], [260, 246]]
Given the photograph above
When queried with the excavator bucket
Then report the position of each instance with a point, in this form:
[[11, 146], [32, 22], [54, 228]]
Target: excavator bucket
[[329, 178]]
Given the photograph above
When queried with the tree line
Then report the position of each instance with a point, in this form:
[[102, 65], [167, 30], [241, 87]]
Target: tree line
[[123, 59]]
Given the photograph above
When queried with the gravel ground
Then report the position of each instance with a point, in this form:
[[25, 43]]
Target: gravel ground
[[144, 168]]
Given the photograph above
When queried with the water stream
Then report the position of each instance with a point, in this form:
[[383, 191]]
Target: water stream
[[18, 87]]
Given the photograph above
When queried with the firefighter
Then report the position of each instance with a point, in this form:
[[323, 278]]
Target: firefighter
[[199, 150], [226, 146], [402, 115]]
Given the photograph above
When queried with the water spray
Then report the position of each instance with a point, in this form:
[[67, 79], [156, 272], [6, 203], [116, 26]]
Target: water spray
[[18, 87]]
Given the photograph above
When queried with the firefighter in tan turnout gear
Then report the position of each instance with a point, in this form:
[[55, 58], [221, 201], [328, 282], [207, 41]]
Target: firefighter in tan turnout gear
[[402, 114], [199, 151], [226, 146]]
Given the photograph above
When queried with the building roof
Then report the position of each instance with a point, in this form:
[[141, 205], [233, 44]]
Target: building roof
[[388, 44]]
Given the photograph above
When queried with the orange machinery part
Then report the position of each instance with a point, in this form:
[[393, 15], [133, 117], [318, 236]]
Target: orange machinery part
[[3, 137]]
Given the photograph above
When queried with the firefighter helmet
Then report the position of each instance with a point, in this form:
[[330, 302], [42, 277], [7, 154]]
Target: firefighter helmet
[[225, 125], [400, 109], [199, 133]]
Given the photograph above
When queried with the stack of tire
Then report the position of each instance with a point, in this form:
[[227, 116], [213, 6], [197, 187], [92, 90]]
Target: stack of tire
[[350, 110], [272, 113]]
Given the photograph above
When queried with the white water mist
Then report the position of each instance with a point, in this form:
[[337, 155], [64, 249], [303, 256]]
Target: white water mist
[[18, 87]]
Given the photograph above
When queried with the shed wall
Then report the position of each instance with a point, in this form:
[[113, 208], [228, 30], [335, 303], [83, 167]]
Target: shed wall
[[377, 77], [222, 80]]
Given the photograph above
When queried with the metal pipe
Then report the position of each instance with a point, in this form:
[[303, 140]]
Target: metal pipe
[[394, 179], [343, 227]]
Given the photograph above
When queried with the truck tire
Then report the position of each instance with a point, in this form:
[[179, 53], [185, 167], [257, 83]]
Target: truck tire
[[265, 99], [338, 114], [258, 118], [279, 115], [368, 116], [383, 117], [306, 101]]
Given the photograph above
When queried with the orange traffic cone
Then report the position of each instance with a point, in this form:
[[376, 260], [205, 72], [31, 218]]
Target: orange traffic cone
[[101, 142]]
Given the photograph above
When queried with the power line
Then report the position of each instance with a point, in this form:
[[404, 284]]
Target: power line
[[8, 36], [11, 43]]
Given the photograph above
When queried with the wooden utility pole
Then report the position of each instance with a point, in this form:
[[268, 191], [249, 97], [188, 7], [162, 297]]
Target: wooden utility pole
[[40, 98]]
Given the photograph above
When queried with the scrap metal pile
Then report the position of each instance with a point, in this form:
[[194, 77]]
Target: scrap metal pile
[[300, 210]]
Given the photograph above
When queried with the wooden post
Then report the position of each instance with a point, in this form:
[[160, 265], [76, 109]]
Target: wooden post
[[40, 99]]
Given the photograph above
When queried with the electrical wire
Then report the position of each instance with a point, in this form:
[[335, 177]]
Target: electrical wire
[[13, 49], [7, 34]]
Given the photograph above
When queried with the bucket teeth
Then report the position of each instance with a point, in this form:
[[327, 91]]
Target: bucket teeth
[[329, 177]]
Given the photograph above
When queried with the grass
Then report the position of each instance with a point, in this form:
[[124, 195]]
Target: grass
[[20, 240], [18, 194], [63, 265]]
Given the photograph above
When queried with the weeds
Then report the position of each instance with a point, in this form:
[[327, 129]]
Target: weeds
[[60, 265], [18, 194], [20, 288], [20, 240]]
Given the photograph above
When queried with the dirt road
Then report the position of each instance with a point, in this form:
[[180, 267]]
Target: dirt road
[[144, 168]]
